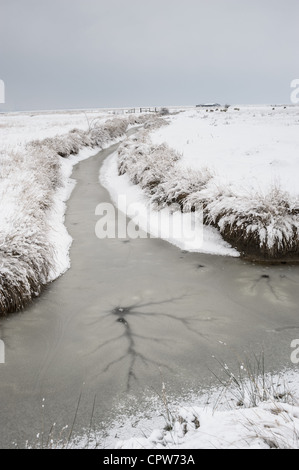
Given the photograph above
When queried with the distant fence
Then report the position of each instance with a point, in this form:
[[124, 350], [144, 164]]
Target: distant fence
[[136, 110], [149, 110]]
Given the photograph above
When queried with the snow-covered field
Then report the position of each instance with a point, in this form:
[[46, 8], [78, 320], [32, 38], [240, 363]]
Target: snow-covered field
[[238, 165], [17, 129], [37, 154], [247, 150]]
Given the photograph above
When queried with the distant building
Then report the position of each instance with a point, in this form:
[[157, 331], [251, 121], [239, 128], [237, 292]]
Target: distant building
[[208, 105]]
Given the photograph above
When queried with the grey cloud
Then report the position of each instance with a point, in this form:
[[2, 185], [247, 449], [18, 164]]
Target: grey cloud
[[92, 53]]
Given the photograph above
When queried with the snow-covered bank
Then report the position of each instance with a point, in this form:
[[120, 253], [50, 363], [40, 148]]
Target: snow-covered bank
[[34, 188], [258, 218], [271, 425], [247, 411], [166, 224], [250, 148], [18, 129]]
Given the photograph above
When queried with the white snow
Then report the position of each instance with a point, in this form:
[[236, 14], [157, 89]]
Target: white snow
[[249, 148], [37, 154], [240, 164], [215, 419], [25, 181], [270, 425], [235, 158], [17, 129], [131, 200]]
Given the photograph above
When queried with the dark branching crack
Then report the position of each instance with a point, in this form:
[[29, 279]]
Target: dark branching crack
[[124, 315]]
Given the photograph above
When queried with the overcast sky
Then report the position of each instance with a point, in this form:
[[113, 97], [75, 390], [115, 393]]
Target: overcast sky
[[57, 54]]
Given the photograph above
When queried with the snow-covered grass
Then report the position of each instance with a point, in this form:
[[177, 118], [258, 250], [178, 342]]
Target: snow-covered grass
[[249, 409], [237, 165], [271, 425], [250, 147], [17, 129], [34, 187], [175, 227]]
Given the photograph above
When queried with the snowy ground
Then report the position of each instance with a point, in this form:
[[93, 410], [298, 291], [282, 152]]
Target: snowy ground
[[131, 200], [37, 154], [247, 147], [269, 425], [240, 164], [251, 412], [273, 422], [33, 192], [16, 129]]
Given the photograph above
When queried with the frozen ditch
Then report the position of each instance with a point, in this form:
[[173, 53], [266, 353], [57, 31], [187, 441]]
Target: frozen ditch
[[128, 315]]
